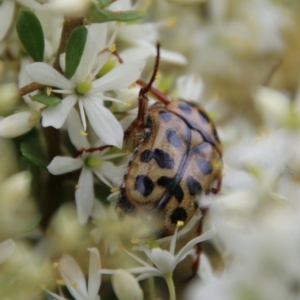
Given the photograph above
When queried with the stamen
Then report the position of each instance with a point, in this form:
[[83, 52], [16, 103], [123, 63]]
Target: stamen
[[112, 48], [48, 90], [114, 189], [180, 223], [83, 133], [60, 282]]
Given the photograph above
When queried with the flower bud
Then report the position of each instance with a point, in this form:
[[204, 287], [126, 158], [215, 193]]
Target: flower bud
[[18, 124], [129, 99], [7, 248], [126, 286], [8, 95], [273, 105]]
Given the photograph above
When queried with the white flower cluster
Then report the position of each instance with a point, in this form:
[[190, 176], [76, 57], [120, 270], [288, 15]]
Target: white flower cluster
[[63, 114]]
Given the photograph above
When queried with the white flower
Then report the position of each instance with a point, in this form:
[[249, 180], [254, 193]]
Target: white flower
[[24, 80], [18, 123], [125, 286], [7, 248], [108, 227], [266, 264], [190, 87], [7, 10], [90, 163], [52, 26], [90, 100], [143, 37], [273, 105], [66, 6], [9, 96], [164, 261], [74, 278]]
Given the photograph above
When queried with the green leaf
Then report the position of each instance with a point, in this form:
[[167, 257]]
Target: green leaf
[[99, 15], [45, 99], [31, 34], [32, 224], [75, 47], [34, 155], [105, 3]]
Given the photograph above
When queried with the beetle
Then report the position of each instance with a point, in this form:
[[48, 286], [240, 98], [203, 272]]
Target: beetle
[[177, 157]]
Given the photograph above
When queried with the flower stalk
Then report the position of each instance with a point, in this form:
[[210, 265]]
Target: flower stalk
[[169, 280]]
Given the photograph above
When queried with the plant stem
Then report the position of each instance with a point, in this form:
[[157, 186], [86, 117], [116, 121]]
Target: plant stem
[[148, 288], [171, 287]]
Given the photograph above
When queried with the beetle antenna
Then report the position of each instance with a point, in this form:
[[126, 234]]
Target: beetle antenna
[[146, 89]]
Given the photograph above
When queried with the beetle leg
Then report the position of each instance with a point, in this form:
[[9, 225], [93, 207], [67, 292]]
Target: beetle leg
[[90, 150], [216, 188]]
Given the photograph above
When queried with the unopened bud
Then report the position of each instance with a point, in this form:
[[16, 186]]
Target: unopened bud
[[7, 248], [126, 286], [18, 124], [8, 95]]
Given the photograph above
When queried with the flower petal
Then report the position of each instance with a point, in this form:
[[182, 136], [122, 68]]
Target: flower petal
[[94, 280], [109, 171], [33, 4], [84, 195], [100, 32], [71, 273], [44, 74], [87, 59], [163, 260], [149, 270], [7, 248], [138, 259], [56, 115], [136, 52], [62, 164], [7, 9], [55, 296], [120, 77], [74, 127], [104, 123], [190, 245], [148, 275]]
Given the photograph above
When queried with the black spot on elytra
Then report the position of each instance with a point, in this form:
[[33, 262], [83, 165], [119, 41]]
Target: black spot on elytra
[[177, 192], [203, 116], [163, 159], [174, 189], [144, 185], [179, 214], [165, 116], [173, 137], [146, 156], [193, 185], [186, 108], [204, 166], [165, 181]]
